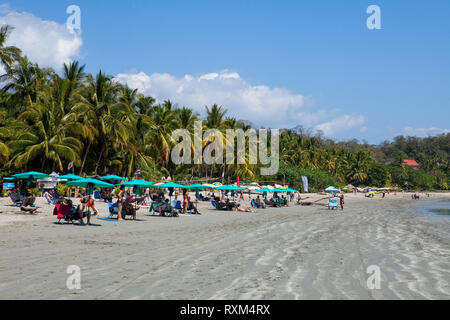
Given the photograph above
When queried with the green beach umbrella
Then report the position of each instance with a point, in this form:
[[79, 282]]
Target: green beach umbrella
[[170, 185], [70, 176], [89, 182], [140, 183], [30, 174], [197, 186], [229, 188], [111, 177], [136, 183], [289, 190]]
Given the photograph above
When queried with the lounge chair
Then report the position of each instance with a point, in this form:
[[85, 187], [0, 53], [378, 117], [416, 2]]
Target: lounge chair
[[222, 206], [177, 206], [114, 209], [17, 202], [68, 213]]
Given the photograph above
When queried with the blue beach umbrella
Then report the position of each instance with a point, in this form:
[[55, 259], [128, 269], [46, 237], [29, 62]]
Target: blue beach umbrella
[[111, 177], [70, 176], [30, 175]]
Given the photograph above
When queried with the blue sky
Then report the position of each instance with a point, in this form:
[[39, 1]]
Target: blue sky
[[331, 71]]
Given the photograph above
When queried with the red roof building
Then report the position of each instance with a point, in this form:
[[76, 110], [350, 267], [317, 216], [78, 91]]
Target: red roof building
[[411, 163]]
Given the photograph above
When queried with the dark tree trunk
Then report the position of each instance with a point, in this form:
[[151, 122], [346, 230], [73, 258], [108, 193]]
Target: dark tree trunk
[[84, 158], [98, 160]]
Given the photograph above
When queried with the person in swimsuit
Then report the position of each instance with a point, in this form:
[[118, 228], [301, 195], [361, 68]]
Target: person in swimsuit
[[248, 209], [341, 201], [185, 201], [120, 202]]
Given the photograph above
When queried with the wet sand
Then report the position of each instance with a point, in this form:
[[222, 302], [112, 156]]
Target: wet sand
[[297, 252]]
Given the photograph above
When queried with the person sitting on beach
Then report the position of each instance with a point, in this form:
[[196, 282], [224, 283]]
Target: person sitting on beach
[[260, 203], [239, 209], [15, 196], [192, 208], [284, 201], [129, 208], [270, 202], [156, 203], [48, 197], [164, 208], [27, 198]]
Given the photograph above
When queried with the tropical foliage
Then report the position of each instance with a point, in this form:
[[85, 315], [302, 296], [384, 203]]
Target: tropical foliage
[[48, 120]]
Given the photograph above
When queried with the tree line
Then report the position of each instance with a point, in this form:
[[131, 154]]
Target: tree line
[[48, 120]]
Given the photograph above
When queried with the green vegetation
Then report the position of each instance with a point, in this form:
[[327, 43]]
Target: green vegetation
[[49, 119]]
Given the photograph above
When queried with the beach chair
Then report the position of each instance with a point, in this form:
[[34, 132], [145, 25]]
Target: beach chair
[[218, 206], [113, 208], [177, 205], [16, 202], [332, 204], [67, 213]]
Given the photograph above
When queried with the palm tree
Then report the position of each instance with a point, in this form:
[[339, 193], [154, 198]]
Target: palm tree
[[45, 136], [215, 117], [25, 80], [94, 110], [10, 54], [159, 135]]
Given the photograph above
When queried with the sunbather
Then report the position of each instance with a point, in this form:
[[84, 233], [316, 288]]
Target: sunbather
[[239, 209]]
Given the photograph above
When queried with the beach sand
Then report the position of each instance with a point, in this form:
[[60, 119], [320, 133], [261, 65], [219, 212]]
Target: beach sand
[[299, 252]]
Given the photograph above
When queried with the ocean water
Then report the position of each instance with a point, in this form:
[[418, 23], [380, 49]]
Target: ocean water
[[439, 207]]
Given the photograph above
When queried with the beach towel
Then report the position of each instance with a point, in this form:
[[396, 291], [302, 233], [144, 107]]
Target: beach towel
[[107, 219]]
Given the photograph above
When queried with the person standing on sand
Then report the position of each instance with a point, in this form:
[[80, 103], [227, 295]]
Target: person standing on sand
[[89, 203], [241, 197], [341, 201], [185, 201], [120, 202]]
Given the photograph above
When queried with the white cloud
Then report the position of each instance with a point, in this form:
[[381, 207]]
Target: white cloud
[[48, 43], [262, 105], [424, 132], [259, 104], [342, 123]]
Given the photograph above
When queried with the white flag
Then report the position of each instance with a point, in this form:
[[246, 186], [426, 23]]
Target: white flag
[[305, 183]]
